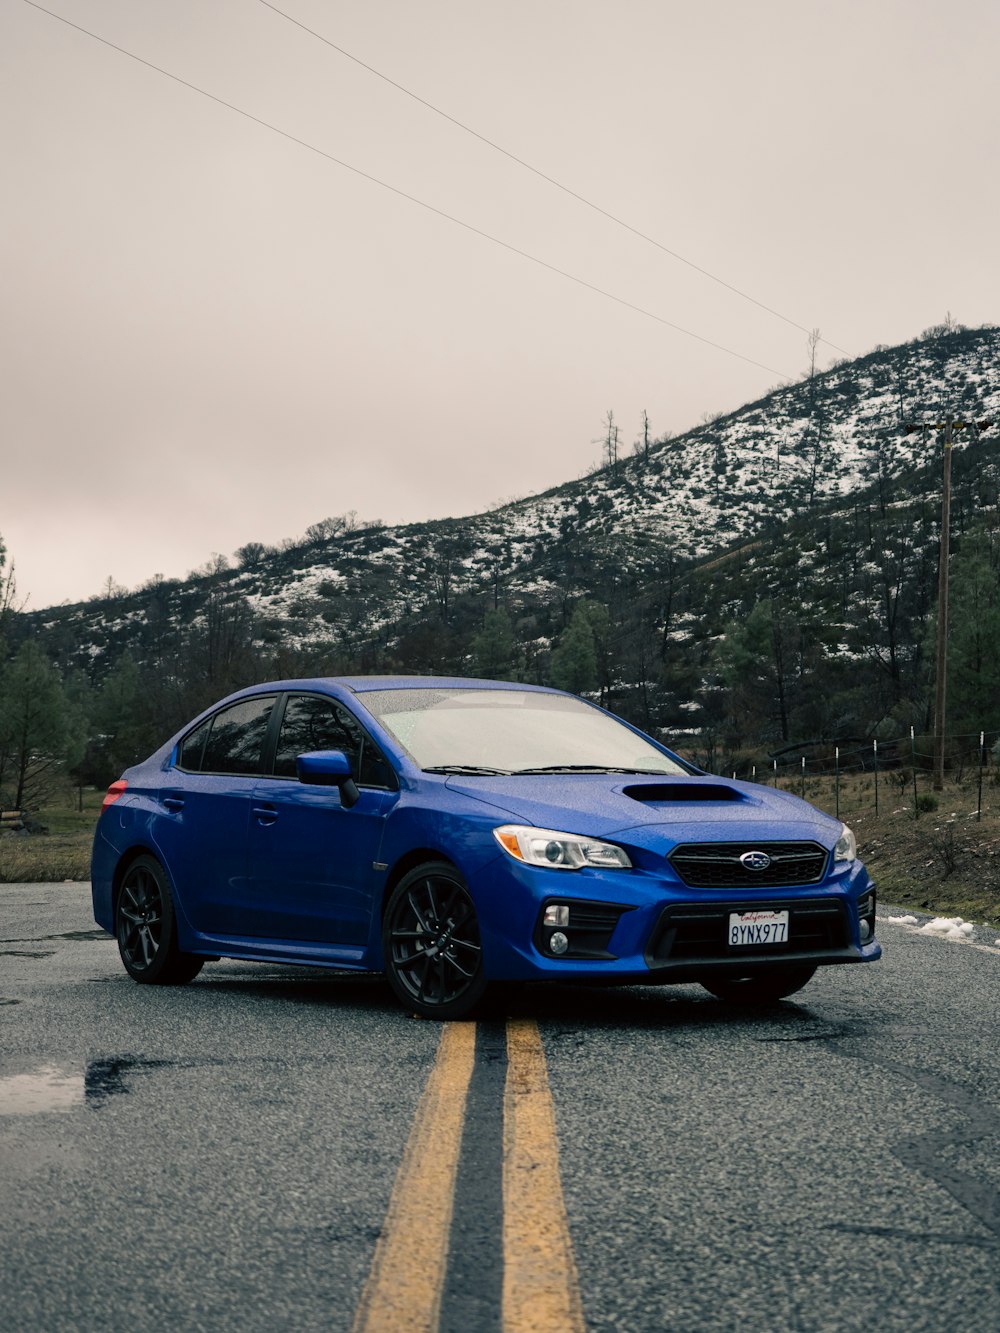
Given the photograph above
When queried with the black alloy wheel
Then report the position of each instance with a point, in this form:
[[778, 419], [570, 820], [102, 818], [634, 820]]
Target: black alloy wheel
[[766, 986], [146, 928], [430, 939]]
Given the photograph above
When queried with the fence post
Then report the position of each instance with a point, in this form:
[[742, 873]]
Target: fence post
[[982, 757], [802, 783], [913, 766], [875, 751], [775, 772], [837, 781]]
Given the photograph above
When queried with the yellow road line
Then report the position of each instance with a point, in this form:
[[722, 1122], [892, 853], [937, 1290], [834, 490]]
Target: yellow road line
[[403, 1291], [541, 1290]]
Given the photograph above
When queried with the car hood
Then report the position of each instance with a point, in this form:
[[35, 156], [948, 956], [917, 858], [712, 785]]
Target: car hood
[[648, 810]]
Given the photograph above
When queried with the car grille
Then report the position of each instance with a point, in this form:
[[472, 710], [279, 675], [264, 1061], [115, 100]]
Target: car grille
[[717, 865], [689, 934]]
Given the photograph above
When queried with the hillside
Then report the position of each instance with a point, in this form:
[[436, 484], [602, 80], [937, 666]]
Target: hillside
[[765, 577]]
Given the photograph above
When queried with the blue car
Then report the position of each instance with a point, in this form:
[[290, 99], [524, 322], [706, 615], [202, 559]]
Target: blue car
[[451, 833]]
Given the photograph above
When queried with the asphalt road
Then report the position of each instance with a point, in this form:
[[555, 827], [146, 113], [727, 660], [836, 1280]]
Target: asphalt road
[[221, 1156]]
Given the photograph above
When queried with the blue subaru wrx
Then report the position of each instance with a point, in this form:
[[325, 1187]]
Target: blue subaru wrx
[[456, 832]]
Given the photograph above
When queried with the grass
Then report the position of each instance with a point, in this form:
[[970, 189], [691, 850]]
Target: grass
[[943, 860], [63, 852]]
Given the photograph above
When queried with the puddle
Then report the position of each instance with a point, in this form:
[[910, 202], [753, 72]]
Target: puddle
[[47, 1089], [110, 1077], [52, 1089], [66, 935]]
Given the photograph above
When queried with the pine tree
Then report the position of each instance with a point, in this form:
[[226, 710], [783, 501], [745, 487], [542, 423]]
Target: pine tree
[[974, 634], [39, 728], [577, 657], [494, 649]]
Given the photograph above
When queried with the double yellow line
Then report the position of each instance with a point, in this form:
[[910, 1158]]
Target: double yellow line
[[540, 1287]]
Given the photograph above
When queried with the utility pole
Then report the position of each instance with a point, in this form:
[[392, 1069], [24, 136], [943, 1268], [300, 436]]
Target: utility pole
[[941, 658], [949, 427]]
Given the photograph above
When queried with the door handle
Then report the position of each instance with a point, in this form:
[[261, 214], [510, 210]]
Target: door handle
[[174, 803], [265, 814]]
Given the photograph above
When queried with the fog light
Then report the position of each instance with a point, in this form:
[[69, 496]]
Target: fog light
[[558, 942], [866, 917], [556, 914]]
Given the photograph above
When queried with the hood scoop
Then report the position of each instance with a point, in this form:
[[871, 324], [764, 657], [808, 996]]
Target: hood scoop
[[678, 793]]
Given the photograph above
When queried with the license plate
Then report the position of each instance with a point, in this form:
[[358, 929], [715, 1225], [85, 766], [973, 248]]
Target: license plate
[[760, 927]]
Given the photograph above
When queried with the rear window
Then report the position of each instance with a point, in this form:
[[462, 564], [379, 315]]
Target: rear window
[[231, 741]]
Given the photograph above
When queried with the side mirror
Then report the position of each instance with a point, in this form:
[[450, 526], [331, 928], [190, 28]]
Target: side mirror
[[328, 768]]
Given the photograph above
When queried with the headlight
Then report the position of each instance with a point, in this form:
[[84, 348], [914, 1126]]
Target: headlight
[[562, 851], [847, 845]]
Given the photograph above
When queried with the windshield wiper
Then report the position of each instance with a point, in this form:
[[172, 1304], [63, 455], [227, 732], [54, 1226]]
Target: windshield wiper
[[468, 769], [590, 768]]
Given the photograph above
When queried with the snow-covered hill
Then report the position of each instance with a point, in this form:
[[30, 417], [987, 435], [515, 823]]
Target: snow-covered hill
[[800, 451]]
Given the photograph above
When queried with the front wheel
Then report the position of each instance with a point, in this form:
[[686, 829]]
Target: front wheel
[[431, 944], [146, 928], [766, 986]]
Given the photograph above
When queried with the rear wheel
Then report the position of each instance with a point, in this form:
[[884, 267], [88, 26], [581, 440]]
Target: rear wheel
[[766, 986], [431, 945], [146, 928]]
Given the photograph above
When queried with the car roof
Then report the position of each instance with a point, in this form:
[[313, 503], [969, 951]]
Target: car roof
[[363, 684]]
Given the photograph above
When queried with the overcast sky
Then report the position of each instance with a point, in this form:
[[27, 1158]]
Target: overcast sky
[[213, 335]]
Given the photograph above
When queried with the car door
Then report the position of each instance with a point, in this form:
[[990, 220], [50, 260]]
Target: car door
[[205, 801], [311, 872]]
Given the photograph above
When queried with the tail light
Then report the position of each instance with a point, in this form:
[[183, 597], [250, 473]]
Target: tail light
[[114, 791]]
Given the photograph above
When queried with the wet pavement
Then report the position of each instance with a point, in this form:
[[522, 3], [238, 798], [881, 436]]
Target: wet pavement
[[211, 1156], [220, 1155]]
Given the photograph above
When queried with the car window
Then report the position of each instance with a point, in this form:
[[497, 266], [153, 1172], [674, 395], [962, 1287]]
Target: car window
[[236, 737], [312, 722], [192, 748]]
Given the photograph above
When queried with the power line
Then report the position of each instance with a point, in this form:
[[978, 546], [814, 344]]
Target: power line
[[490, 143], [468, 226]]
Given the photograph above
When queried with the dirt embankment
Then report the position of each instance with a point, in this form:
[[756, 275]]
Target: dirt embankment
[[944, 860]]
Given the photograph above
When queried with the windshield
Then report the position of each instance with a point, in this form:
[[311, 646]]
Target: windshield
[[511, 731]]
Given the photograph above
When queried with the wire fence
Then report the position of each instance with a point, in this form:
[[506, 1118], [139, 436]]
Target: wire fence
[[898, 767]]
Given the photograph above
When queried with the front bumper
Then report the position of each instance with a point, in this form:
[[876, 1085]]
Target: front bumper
[[635, 926]]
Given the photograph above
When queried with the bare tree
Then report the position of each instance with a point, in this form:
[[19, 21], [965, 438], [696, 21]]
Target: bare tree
[[9, 605], [814, 341], [111, 591], [609, 440], [251, 554], [816, 423], [641, 446], [213, 568]]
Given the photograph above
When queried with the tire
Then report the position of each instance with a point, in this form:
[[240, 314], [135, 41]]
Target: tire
[[431, 944], [767, 986], [146, 928]]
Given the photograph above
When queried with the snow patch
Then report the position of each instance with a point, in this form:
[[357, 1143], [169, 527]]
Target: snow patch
[[942, 928], [949, 927]]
